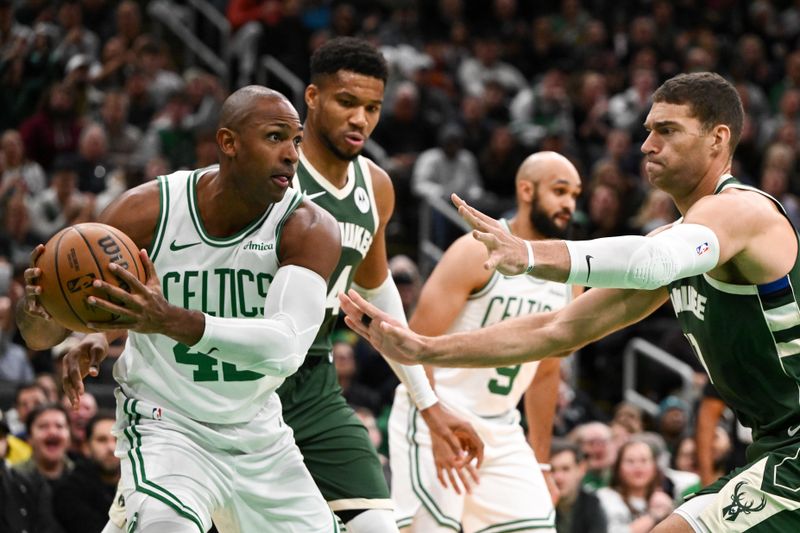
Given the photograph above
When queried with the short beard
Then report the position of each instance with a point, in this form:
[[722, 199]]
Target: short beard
[[336, 152], [544, 224]]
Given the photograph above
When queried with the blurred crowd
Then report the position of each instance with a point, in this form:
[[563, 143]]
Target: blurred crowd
[[98, 96]]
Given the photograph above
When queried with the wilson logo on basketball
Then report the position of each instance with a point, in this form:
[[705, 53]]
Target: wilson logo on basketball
[[111, 248]]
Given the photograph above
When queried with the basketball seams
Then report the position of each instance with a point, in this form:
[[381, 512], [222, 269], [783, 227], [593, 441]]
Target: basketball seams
[[59, 282]]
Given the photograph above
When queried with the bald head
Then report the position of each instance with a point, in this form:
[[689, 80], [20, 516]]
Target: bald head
[[545, 164], [239, 106]]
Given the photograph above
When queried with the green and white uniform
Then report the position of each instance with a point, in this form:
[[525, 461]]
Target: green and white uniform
[[334, 443], [748, 339], [195, 433], [512, 494]]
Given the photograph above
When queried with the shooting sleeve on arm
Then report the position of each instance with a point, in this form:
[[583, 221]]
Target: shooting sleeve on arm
[[386, 298], [277, 343], [637, 262]]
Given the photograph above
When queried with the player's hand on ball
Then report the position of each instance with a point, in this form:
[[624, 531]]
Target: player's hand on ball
[[457, 448], [507, 253], [141, 308], [80, 361], [32, 288], [385, 334]]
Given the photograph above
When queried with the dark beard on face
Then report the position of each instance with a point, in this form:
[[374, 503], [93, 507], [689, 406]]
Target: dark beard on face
[[544, 224], [336, 152]]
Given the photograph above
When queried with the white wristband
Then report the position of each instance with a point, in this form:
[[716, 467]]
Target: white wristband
[[545, 467], [530, 257]]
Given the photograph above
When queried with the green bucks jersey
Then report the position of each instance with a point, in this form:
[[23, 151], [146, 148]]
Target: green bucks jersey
[[221, 276], [748, 339], [353, 207]]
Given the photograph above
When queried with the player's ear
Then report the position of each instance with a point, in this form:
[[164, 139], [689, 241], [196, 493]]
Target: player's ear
[[226, 140], [721, 136], [312, 91], [525, 190]]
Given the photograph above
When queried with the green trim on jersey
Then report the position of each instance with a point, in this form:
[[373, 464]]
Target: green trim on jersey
[[748, 339], [219, 242], [163, 214], [416, 478], [523, 524], [141, 483]]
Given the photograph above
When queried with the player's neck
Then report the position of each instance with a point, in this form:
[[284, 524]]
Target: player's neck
[[524, 230], [332, 168]]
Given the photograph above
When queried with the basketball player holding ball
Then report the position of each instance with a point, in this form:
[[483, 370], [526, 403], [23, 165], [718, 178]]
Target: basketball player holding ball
[[236, 267]]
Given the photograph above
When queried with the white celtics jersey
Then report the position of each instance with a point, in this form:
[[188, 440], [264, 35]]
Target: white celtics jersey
[[225, 277], [490, 392]]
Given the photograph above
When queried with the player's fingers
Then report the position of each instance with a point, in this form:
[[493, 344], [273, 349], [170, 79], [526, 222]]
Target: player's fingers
[[117, 294], [453, 483], [473, 472], [128, 277], [465, 481], [149, 267], [36, 252], [440, 475], [357, 326], [111, 307], [72, 380], [96, 354]]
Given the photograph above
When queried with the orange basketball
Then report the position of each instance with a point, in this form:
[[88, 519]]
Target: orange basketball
[[73, 258]]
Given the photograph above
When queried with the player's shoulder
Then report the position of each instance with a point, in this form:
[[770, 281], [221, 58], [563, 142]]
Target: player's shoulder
[[381, 182], [308, 217], [136, 212], [466, 257], [741, 204]]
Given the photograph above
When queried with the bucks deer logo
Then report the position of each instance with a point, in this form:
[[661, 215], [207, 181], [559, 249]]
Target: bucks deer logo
[[739, 505]]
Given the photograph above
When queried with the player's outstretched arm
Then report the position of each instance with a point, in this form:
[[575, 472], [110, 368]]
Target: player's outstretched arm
[[591, 316]]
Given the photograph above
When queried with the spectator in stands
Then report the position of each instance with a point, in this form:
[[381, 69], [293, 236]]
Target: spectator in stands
[[657, 210], [123, 137], [82, 498], [15, 231], [498, 163], [76, 38], [628, 108], [92, 164], [48, 435], [578, 510], [477, 128], [204, 96], [682, 470], [128, 18], [486, 64], [634, 500], [788, 113], [26, 503], [28, 397], [54, 129], [61, 204], [79, 421], [594, 439], [368, 419], [47, 382], [161, 83], [541, 110], [406, 276], [98, 16], [573, 408], [447, 168], [141, 105], [673, 421], [591, 118], [18, 168], [14, 364], [356, 394], [116, 60], [606, 217]]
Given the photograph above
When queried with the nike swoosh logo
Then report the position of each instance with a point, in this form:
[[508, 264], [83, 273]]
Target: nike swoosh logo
[[588, 266], [315, 195], [793, 431], [175, 246]]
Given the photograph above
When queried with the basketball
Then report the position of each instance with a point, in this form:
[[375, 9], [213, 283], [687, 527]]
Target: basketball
[[73, 258]]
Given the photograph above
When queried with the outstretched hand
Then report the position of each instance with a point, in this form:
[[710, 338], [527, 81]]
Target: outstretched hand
[[80, 361], [383, 332], [457, 448], [507, 253], [141, 308]]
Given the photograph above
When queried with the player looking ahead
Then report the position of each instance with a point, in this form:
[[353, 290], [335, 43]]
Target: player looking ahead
[[460, 295], [730, 267], [344, 102], [243, 261]]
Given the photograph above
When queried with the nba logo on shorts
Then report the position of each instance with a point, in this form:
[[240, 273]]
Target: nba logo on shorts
[[703, 248], [362, 201], [156, 413]]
